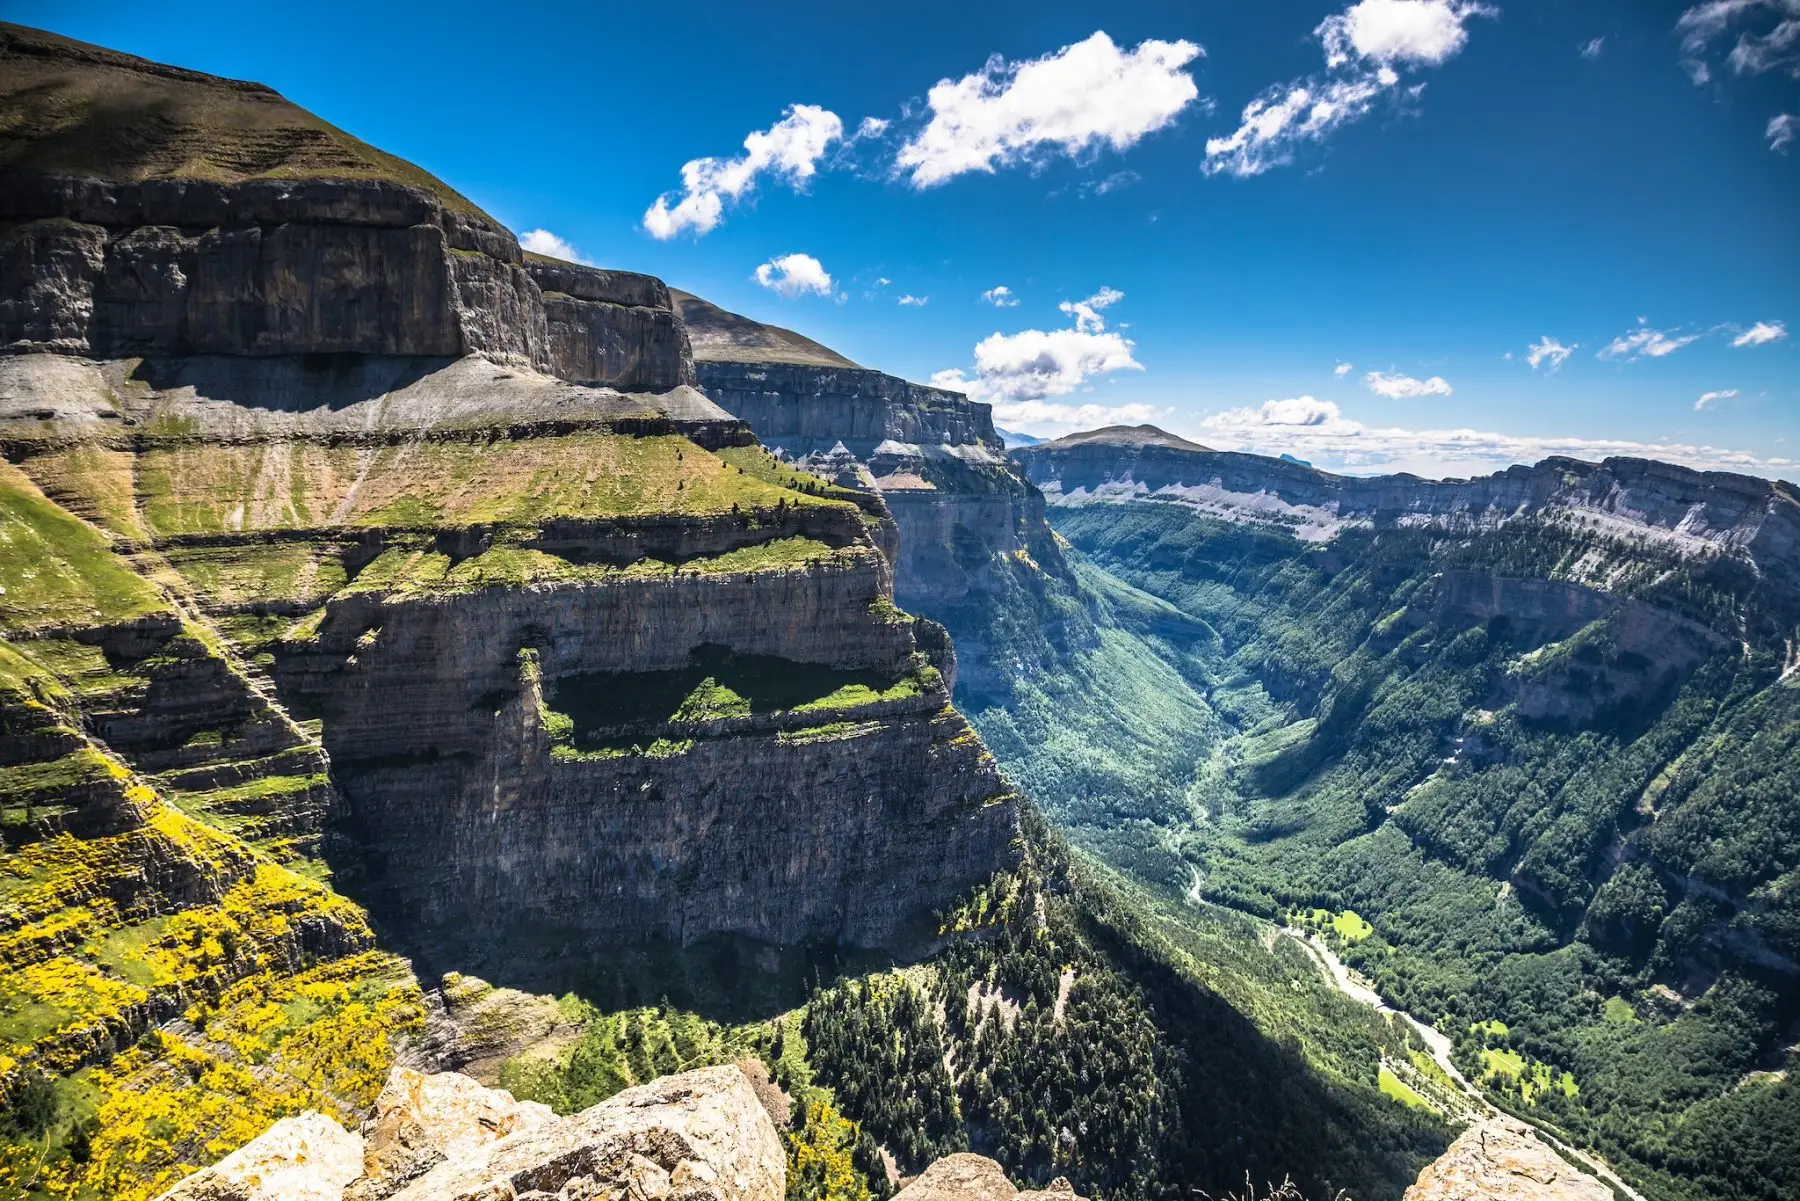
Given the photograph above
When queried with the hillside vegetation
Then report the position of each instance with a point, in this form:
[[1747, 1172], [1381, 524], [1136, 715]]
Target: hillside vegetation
[[1565, 831]]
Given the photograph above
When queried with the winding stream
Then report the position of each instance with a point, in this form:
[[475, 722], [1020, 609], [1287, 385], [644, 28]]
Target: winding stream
[[1354, 987]]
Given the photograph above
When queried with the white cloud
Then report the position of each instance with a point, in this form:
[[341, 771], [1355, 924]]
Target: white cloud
[[872, 127], [914, 302], [1117, 181], [1343, 369], [1644, 342], [1001, 297], [1319, 433], [1405, 387], [1782, 131], [1760, 334], [790, 150], [1549, 350], [1283, 117], [542, 241], [1594, 49], [1032, 365], [1365, 46], [1418, 32], [1087, 312], [1082, 97], [1709, 399], [1770, 41], [791, 274]]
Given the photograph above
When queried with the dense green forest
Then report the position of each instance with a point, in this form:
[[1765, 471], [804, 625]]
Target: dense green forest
[[1567, 824], [1075, 1025]]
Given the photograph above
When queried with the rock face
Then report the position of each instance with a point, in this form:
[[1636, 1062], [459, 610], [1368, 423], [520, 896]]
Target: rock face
[[804, 407], [615, 328], [701, 1135], [308, 1158], [1499, 1160], [422, 1120], [972, 539], [334, 373], [965, 1177], [346, 252]]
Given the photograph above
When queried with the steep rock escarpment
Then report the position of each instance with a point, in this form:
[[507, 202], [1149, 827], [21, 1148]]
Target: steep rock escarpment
[[357, 562], [238, 224], [972, 540]]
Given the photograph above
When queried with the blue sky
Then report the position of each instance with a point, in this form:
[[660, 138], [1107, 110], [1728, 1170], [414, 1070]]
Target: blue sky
[[1619, 174]]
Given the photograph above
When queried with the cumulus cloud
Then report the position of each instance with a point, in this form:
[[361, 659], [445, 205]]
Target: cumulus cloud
[[1782, 131], [542, 241], [1032, 365], [789, 150], [1709, 399], [1343, 369], [1405, 387], [913, 302], [1549, 350], [793, 274], [1087, 312], [1086, 96], [1593, 49], [1319, 433], [1419, 32], [1761, 334], [1644, 342], [1366, 47], [872, 127], [1001, 297]]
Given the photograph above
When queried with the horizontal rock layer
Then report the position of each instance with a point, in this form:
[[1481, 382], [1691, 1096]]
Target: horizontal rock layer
[[318, 267], [803, 408]]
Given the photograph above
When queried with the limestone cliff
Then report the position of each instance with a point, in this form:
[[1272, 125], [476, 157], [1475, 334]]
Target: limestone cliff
[[972, 540], [1659, 507], [359, 564]]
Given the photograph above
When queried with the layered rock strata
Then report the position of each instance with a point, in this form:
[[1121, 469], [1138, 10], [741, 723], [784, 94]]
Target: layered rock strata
[[972, 540], [341, 251], [353, 553]]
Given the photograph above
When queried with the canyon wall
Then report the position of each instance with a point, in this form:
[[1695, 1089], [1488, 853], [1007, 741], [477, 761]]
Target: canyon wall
[[366, 573], [972, 540]]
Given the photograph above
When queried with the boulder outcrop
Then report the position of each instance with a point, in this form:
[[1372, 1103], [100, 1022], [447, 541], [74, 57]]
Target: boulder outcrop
[[966, 1177], [1499, 1160], [701, 1136], [306, 1158]]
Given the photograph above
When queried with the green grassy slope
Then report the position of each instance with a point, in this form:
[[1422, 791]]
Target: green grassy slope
[[67, 107]]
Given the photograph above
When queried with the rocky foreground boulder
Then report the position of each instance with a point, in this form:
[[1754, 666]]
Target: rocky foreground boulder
[[965, 1177], [698, 1136], [1500, 1160]]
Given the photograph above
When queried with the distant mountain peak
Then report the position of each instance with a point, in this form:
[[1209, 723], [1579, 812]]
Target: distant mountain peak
[[719, 335], [1128, 435]]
